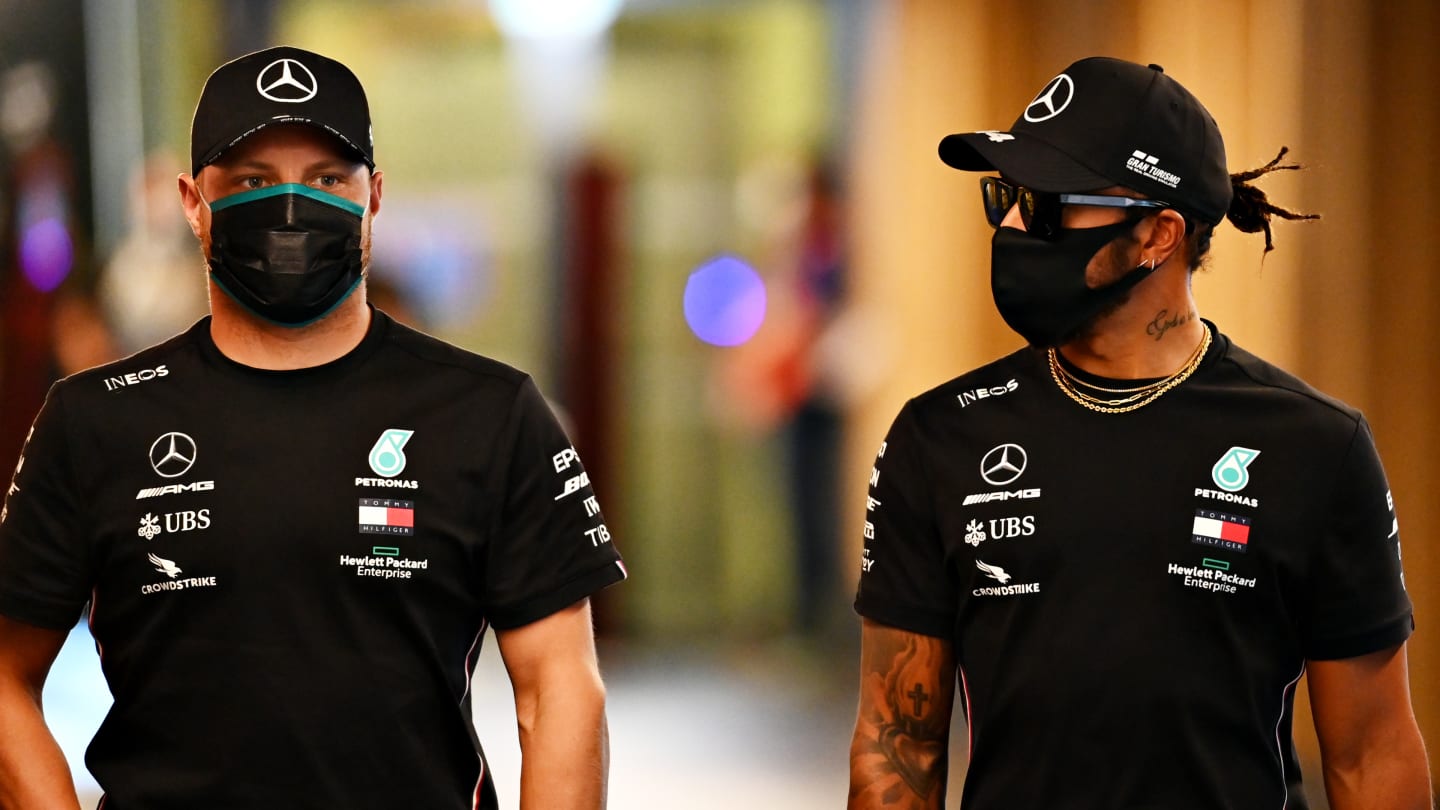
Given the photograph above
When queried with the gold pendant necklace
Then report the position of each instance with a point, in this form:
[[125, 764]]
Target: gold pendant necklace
[[1138, 397]]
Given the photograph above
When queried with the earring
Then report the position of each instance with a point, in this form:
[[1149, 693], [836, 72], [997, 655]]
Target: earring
[[1142, 264]]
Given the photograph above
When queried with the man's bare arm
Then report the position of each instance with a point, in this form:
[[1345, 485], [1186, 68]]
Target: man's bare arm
[[33, 771], [560, 707], [1370, 746], [902, 730]]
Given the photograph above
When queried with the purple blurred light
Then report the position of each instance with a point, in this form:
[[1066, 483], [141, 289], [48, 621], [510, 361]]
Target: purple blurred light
[[46, 253], [724, 301]]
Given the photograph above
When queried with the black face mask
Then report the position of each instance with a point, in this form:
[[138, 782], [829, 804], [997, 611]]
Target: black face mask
[[1039, 284], [288, 253]]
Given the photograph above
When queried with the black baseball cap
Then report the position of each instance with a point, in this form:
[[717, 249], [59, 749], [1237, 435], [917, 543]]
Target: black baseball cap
[[1107, 122], [280, 85]]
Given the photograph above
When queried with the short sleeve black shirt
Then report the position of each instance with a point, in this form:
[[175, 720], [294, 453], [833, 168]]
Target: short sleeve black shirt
[[1133, 597], [290, 573]]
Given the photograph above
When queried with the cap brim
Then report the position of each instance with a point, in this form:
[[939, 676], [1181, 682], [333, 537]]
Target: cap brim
[[215, 153], [1021, 157]]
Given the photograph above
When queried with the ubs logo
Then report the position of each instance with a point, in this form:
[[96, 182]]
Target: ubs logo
[[286, 81], [172, 455], [1003, 464]]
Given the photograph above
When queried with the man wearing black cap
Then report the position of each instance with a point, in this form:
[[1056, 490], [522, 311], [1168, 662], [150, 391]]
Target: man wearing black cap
[[294, 522], [1130, 540]]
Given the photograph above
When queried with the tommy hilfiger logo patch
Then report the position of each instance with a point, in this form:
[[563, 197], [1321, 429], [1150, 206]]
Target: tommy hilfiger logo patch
[[1220, 530], [387, 516]]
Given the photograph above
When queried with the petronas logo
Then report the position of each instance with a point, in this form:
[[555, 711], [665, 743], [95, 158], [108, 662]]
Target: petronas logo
[[387, 457], [1231, 472]]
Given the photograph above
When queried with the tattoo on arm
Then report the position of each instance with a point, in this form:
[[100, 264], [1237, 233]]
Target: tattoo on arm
[[898, 755], [1164, 322]]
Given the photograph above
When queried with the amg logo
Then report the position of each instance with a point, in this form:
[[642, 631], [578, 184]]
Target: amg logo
[[175, 489], [987, 497], [135, 377]]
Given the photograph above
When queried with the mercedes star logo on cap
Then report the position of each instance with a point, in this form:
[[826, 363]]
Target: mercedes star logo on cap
[[1003, 464], [1052, 100], [287, 81], [172, 454]]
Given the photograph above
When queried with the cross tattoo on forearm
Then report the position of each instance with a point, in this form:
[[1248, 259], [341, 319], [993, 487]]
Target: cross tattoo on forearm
[[918, 695]]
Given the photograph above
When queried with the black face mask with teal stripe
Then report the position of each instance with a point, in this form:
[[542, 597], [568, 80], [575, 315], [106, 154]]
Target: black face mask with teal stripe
[[288, 253]]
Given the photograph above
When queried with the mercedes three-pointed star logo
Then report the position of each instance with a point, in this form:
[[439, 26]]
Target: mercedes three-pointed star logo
[[1003, 464], [172, 454], [1052, 101], [286, 81]]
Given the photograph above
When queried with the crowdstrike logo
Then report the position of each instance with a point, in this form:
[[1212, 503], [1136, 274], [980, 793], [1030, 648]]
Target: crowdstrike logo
[[286, 81], [172, 455], [172, 583], [995, 572], [164, 566], [1052, 101], [1003, 464], [1001, 576]]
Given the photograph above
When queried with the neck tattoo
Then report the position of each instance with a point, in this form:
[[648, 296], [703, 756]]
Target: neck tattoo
[[1122, 400], [1164, 322]]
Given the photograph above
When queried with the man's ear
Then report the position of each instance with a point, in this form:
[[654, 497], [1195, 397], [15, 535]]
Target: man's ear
[[375, 188], [193, 204], [1161, 236]]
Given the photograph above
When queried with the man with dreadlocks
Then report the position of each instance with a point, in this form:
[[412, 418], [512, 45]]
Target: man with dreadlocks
[[1130, 540]]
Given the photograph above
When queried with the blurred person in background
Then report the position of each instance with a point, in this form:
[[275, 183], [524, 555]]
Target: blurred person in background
[[147, 291], [38, 239], [294, 522], [792, 380], [1132, 538]]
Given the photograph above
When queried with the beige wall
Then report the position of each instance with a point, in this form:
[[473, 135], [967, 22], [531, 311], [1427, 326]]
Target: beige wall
[[1350, 303]]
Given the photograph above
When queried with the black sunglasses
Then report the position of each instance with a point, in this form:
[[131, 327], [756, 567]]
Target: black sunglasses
[[1040, 210]]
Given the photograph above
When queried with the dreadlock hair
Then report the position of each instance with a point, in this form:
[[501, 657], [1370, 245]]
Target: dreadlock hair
[[1250, 209]]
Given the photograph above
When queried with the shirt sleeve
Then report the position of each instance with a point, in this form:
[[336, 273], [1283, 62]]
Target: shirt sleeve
[[1357, 600], [904, 579], [45, 575], [552, 547]]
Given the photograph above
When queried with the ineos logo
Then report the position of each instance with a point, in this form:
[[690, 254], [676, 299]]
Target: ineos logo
[[286, 81], [1003, 464], [1052, 101], [172, 455]]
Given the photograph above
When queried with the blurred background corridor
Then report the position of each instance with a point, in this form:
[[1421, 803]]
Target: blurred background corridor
[[718, 234]]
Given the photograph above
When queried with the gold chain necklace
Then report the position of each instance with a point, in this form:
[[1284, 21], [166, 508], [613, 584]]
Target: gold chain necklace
[[1139, 396]]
